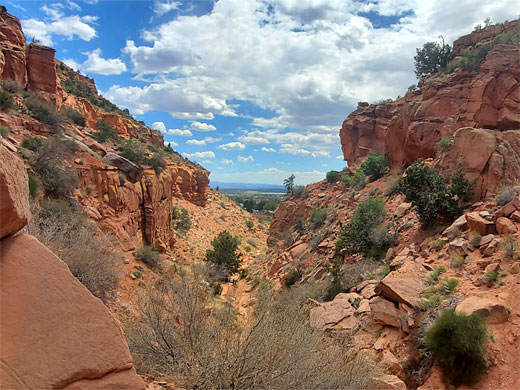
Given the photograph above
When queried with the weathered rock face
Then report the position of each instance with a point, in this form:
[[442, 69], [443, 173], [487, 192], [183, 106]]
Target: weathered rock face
[[14, 194], [410, 128], [55, 334], [12, 49], [285, 217], [140, 211], [403, 285], [41, 70]]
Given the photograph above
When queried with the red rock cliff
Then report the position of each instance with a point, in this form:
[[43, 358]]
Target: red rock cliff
[[12, 49]]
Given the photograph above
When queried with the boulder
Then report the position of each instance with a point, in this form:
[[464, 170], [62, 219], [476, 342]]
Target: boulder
[[55, 334], [364, 307], [387, 313], [516, 216], [402, 209], [490, 248], [505, 226], [459, 224], [515, 268], [403, 285], [479, 224], [390, 363], [459, 246], [493, 311], [337, 314], [388, 382], [14, 194]]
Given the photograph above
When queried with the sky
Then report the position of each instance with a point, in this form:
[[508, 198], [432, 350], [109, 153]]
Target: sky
[[254, 90]]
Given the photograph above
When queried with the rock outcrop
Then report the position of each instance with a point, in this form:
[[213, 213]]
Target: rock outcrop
[[12, 49], [409, 128], [54, 333], [41, 70], [14, 190]]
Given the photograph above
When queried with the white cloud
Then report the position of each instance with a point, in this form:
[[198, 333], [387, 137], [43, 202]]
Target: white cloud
[[227, 162], [232, 146], [269, 150], [68, 26], [171, 143], [196, 142], [97, 64], [243, 159], [199, 126], [201, 155], [162, 7], [251, 140], [160, 126], [340, 157]]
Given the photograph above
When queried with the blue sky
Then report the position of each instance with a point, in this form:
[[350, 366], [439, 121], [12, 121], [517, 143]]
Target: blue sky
[[254, 90]]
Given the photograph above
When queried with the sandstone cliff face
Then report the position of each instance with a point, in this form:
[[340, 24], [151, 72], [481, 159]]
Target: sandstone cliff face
[[53, 332], [12, 49], [409, 128], [41, 70]]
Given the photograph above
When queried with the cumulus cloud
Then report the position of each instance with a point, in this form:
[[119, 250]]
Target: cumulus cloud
[[160, 126], [269, 175], [57, 23], [162, 7], [232, 146], [200, 155], [269, 150], [243, 159], [196, 142], [227, 162], [199, 126], [97, 64], [253, 140]]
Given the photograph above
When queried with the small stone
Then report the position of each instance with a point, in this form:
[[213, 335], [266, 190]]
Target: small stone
[[493, 267], [515, 268]]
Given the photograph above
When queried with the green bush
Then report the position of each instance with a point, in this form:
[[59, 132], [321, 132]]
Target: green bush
[[437, 245], [134, 151], [412, 88], [105, 133], [461, 187], [31, 143], [4, 132], [224, 254], [57, 180], [292, 278], [457, 345], [43, 111], [33, 186], [433, 276], [318, 216], [431, 58], [445, 143], [332, 176], [148, 255], [75, 116], [490, 277], [505, 195], [375, 166], [6, 100], [426, 189], [299, 226], [356, 236], [181, 219], [449, 285], [358, 181], [156, 161], [250, 224]]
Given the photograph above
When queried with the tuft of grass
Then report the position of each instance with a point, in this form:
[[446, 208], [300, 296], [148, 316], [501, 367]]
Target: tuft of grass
[[437, 245], [433, 276], [490, 277], [457, 261], [449, 285], [475, 239], [148, 255], [505, 195], [445, 143]]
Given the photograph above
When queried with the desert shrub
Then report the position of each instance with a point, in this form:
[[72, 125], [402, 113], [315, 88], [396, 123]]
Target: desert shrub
[[426, 189], [336, 281], [445, 143], [318, 216], [433, 276], [509, 245], [181, 219], [247, 248], [156, 161], [490, 277], [250, 224], [382, 239], [11, 85], [332, 176], [454, 233], [392, 185], [428, 302], [75, 116], [224, 254], [33, 185], [437, 245], [289, 184], [448, 285], [87, 252], [475, 239], [299, 226], [134, 151], [57, 180], [293, 277], [299, 191], [461, 187], [457, 261], [31, 143], [375, 166], [356, 235], [148, 255], [505, 195], [431, 58], [43, 111], [181, 335], [6, 100], [4, 132], [412, 88], [357, 181], [457, 344], [105, 132], [473, 58]]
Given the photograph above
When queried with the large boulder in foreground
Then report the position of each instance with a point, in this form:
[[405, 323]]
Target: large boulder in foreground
[[54, 333], [494, 312], [14, 194]]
